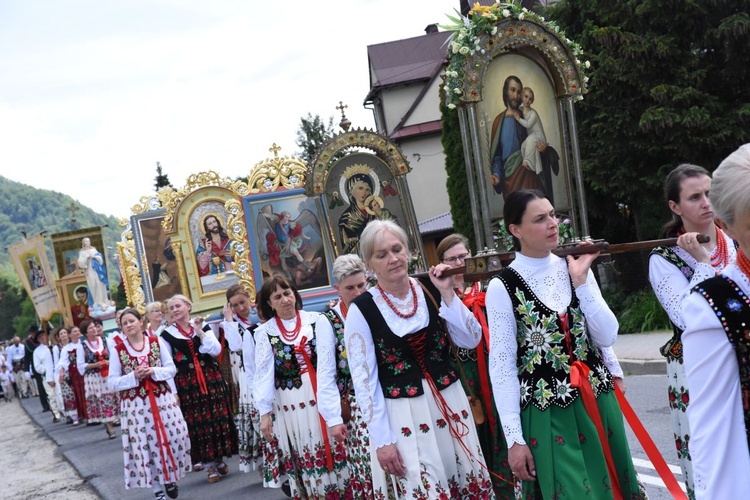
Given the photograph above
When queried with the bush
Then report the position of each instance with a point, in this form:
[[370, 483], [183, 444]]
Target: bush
[[638, 312]]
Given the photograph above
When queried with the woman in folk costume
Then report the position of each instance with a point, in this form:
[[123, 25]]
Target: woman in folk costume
[[398, 343], [453, 251], [547, 321], [63, 388], [156, 446], [238, 330], [69, 366], [203, 393], [337, 402], [285, 395], [674, 271], [92, 358], [716, 347]]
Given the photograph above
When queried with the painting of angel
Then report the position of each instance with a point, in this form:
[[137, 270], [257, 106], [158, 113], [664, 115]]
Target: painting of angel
[[290, 242]]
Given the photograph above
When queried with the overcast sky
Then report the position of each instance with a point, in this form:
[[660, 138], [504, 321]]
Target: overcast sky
[[93, 93]]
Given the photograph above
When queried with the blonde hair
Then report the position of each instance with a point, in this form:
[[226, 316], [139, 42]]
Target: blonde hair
[[531, 91], [154, 306], [373, 232], [730, 189], [179, 296]]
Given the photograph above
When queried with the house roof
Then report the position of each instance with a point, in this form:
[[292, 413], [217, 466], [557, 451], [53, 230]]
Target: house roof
[[437, 224], [418, 129], [404, 61]]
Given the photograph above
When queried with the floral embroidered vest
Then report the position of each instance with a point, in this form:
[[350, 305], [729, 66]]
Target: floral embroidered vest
[[399, 368], [544, 354], [183, 358], [91, 356], [672, 350], [129, 364], [288, 372], [732, 307], [343, 375]]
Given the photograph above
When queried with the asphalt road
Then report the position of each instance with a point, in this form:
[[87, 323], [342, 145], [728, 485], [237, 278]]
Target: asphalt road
[[99, 460]]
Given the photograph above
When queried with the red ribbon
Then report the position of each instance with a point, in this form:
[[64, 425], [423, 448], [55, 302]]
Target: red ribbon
[[475, 302], [104, 369], [300, 349], [198, 370], [649, 447]]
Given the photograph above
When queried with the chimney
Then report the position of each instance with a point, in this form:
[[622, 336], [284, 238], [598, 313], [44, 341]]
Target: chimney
[[431, 28]]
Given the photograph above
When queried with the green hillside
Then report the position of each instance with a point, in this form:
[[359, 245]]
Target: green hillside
[[25, 208]]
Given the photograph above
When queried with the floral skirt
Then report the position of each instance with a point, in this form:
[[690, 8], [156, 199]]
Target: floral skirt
[[101, 404], [69, 406], [210, 424], [367, 479], [437, 465], [679, 400], [301, 447], [272, 468], [568, 454], [146, 462]]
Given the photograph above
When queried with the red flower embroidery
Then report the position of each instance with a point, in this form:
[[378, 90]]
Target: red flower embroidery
[[424, 428], [534, 443], [395, 392], [559, 440], [441, 423], [406, 431], [411, 390], [445, 381]]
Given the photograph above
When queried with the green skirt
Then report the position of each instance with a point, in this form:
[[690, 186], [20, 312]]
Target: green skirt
[[568, 454]]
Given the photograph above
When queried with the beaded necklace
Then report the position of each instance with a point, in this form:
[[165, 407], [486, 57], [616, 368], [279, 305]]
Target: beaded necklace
[[289, 335], [743, 263], [395, 309], [720, 255]]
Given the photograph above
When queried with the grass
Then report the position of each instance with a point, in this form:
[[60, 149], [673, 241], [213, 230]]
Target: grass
[[637, 312]]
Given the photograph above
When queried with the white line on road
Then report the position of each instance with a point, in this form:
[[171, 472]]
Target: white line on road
[[639, 462]]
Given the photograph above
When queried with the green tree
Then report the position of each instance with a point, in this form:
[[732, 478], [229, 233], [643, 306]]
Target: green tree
[[11, 298], [26, 318], [313, 132], [161, 180], [668, 85], [455, 167]]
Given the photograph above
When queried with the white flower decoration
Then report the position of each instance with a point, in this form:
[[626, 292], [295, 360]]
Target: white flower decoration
[[451, 106], [520, 17], [563, 390], [587, 64], [494, 30], [457, 91], [463, 50], [506, 13]]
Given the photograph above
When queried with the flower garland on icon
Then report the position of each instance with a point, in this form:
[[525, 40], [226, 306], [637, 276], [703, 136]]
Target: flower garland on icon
[[482, 20]]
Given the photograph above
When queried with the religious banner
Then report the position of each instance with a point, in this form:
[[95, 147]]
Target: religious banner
[[30, 261], [513, 79]]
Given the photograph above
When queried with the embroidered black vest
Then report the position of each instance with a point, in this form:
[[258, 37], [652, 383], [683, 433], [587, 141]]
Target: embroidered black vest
[[732, 307], [286, 366], [91, 357], [343, 375], [672, 350], [544, 355], [399, 369], [129, 364], [183, 358]]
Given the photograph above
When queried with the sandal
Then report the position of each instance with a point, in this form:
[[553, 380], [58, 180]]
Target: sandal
[[213, 475], [159, 495], [222, 468], [171, 490], [197, 467], [112, 434]]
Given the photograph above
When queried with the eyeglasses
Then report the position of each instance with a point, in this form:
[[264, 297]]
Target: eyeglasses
[[452, 260]]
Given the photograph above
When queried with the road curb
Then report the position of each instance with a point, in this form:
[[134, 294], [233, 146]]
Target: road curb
[[643, 366]]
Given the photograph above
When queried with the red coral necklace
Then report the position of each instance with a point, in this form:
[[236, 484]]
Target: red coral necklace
[[743, 263], [289, 335], [720, 255], [395, 309]]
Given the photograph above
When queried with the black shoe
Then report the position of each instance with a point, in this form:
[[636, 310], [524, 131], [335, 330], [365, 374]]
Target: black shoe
[[55, 420], [159, 495], [172, 491], [45, 410], [286, 488]]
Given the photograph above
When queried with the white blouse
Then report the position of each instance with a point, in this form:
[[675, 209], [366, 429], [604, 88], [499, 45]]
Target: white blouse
[[549, 279], [209, 343], [263, 385], [119, 382], [244, 343], [81, 354], [672, 287], [718, 447], [64, 362], [329, 400], [463, 328]]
